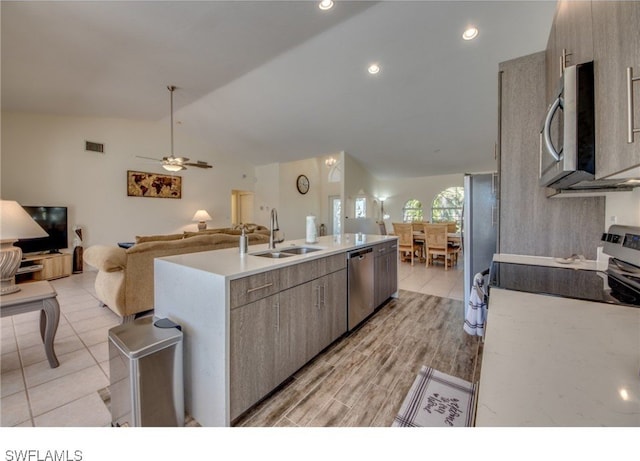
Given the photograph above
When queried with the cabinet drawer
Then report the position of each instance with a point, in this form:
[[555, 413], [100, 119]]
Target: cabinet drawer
[[248, 289], [385, 248], [332, 263], [299, 273], [311, 270]]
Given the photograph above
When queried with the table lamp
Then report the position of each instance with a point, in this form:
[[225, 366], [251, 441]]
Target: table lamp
[[15, 223], [201, 216]]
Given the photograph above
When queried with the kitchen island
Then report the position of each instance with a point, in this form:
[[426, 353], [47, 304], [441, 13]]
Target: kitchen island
[[250, 321], [552, 361]]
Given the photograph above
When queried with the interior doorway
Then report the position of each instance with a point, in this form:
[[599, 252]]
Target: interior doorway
[[241, 207]]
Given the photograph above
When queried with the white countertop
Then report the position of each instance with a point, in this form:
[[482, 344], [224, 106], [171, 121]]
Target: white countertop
[[551, 361], [231, 264], [586, 264]]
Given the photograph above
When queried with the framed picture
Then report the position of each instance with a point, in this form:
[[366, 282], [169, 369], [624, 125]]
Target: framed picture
[[140, 184]]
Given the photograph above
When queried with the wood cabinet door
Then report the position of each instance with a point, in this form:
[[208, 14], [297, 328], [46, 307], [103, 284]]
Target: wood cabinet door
[[616, 30], [386, 274], [253, 353], [392, 272], [331, 320], [574, 32], [297, 305]]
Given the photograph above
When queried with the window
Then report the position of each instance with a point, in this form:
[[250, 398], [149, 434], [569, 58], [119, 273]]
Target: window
[[335, 204], [412, 211], [361, 207], [447, 206]]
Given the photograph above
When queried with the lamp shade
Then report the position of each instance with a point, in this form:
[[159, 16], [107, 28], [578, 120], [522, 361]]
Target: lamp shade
[[201, 215], [15, 223]]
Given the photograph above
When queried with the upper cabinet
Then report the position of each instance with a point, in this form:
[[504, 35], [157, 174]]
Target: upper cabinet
[[607, 33], [570, 41], [616, 39]]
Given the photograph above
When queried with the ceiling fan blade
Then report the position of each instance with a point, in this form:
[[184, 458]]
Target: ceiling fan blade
[[199, 164], [149, 158]]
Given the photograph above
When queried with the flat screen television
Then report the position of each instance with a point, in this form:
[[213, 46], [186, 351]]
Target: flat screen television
[[53, 219]]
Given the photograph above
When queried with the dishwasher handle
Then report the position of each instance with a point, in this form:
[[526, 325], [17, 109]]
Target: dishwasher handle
[[360, 253]]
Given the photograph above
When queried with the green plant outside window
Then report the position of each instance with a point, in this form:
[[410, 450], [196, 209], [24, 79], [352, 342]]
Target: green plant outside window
[[412, 211], [447, 206]]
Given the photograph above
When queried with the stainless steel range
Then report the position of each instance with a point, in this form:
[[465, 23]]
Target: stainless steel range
[[618, 284]]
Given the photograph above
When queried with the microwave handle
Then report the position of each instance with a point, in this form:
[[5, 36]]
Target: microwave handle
[[546, 129]]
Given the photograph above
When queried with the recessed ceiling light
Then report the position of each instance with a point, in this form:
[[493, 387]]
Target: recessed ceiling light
[[470, 33], [374, 69], [326, 5]]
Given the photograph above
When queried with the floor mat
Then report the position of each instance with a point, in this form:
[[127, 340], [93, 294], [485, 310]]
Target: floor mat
[[437, 400]]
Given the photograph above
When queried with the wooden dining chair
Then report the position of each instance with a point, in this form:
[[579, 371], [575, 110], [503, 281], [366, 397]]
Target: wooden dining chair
[[407, 247], [417, 226], [437, 245]]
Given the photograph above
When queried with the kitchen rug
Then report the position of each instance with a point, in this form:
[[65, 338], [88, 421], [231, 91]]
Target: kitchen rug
[[437, 400]]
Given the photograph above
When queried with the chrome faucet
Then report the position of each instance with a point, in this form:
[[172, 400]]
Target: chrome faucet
[[273, 228]]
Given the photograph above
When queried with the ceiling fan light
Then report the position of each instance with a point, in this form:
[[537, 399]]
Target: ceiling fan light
[[172, 167]]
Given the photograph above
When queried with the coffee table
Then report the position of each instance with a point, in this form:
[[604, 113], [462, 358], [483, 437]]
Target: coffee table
[[32, 297]]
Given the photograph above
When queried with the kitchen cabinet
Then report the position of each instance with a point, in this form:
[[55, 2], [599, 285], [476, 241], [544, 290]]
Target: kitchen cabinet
[[330, 319], [254, 330], [296, 314], [252, 322], [248, 289], [570, 41], [385, 271], [273, 337], [529, 222], [616, 36], [312, 316]]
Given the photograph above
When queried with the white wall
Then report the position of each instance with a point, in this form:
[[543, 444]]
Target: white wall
[[276, 188], [424, 189], [622, 208], [267, 191], [358, 182], [44, 163], [294, 206]]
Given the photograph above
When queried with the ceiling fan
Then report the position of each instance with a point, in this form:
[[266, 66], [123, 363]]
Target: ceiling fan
[[173, 163]]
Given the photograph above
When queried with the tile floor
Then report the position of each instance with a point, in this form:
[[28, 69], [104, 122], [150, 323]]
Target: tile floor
[[33, 394]]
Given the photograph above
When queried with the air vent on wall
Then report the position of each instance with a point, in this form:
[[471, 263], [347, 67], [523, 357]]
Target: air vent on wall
[[94, 147]]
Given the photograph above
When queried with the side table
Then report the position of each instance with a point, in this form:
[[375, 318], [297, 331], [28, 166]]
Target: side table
[[32, 297]]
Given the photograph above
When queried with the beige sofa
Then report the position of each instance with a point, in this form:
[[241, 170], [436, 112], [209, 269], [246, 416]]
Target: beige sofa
[[124, 281]]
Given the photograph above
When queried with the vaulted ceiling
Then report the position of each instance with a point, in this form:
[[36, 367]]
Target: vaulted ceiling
[[273, 81]]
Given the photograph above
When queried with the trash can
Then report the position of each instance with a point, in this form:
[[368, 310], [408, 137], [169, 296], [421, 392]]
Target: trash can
[[145, 369]]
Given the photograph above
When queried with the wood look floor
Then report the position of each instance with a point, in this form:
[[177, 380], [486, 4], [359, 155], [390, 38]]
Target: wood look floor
[[362, 379]]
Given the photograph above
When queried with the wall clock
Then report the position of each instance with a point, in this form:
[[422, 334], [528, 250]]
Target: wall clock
[[302, 183]]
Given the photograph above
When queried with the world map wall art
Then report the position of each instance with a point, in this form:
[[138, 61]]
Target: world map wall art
[[141, 184]]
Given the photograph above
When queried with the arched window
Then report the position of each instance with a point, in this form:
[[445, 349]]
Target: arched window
[[447, 206], [412, 211]]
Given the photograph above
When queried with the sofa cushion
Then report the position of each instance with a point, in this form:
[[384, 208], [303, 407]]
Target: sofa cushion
[[224, 230], [158, 238]]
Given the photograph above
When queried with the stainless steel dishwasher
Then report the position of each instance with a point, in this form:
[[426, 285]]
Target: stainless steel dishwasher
[[360, 283]]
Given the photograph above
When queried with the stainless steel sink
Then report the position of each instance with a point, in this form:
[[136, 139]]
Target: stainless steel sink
[[299, 250], [272, 254]]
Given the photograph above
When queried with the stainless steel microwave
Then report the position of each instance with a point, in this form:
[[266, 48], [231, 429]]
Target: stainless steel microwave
[[567, 137]]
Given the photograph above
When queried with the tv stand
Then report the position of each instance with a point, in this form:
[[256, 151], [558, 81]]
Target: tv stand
[[47, 266]]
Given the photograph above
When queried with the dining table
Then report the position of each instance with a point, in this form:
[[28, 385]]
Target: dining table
[[453, 238]]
